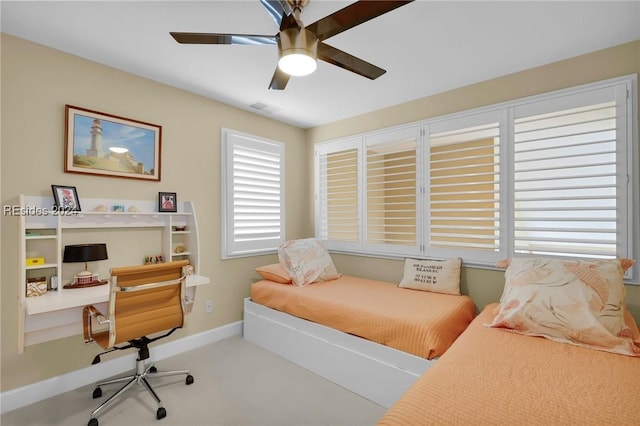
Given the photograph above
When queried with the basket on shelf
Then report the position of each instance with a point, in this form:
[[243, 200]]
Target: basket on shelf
[[36, 286]]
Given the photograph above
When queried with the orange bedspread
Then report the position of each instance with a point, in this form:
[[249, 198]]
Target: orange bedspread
[[494, 377], [418, 322]]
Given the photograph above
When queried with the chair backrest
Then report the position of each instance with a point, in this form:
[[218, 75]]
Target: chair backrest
[[145, 300]]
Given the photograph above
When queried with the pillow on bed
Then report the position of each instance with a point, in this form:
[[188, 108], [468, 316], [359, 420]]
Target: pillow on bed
[[307, 261], [438, 276], [274, 272], [578, 302]]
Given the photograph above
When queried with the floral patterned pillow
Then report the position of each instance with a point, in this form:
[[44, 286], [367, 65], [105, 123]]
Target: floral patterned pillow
[[578, 302], [307, 261]]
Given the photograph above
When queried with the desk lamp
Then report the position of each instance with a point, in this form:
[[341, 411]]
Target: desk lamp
[[85, 253]]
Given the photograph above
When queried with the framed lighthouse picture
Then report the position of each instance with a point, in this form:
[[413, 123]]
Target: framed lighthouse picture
[[97, 143]]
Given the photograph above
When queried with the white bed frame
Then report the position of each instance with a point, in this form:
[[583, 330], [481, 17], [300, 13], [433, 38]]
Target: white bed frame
[[374, 371]]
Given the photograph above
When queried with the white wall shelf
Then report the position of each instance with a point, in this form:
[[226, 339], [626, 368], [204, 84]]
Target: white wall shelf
[[57, 314], [43, 266]]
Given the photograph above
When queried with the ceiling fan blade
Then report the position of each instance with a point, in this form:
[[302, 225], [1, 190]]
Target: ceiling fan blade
[[350, 16], [349, 62], [279, 80], [211, 38], [277, 9]]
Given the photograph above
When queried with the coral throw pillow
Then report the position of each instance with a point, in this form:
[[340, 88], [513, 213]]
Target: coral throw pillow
[[274, 272], [578, 302], [438, 276], [307, 261]]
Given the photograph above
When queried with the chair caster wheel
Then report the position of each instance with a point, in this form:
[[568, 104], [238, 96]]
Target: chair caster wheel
[[189, 379], [93, 422], [161, 413], [153, 370], [97, 393]]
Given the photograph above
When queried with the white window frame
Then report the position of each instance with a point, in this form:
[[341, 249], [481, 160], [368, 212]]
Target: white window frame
[[569, 102], [329, 148], [408, 132], [471, 119], [628, 238], [230, 247]]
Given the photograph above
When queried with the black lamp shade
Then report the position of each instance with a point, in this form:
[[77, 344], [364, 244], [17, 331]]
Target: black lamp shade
[[85, 252]]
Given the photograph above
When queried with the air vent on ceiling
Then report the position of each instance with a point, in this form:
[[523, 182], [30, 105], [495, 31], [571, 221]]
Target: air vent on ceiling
[[262, 107]]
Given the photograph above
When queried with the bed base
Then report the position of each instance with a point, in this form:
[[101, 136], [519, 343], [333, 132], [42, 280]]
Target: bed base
[[374, 371]]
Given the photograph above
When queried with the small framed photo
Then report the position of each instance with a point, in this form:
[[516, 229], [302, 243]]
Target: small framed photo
[[167, 202], [65, 198]]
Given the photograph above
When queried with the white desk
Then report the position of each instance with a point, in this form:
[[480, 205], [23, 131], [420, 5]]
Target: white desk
[[71, 298], [58, 314], [42, 231]]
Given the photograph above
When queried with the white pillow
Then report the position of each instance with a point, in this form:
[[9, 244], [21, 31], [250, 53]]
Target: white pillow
[[438, 276], [581, 302], [307, 261]]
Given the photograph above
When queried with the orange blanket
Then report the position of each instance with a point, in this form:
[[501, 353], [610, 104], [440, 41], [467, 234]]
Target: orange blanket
[[418, 322], [494, 377]]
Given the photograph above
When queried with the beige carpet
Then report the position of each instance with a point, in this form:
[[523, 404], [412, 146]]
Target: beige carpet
[[236, 383]]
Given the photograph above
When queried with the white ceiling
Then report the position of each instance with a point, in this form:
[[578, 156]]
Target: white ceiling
[[427, 47]]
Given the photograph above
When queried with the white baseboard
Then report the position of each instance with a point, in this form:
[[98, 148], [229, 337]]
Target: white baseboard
[[25, 395]]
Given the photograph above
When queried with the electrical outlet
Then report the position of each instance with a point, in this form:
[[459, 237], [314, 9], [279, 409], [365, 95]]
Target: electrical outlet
[[208, 306]]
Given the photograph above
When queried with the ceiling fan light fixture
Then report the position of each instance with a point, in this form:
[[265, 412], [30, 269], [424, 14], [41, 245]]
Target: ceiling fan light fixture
[[297, 64], [298, 52]]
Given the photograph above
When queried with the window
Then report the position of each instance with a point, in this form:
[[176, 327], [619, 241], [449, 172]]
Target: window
[[551, 175], [463, 185], [338, 194], [391, 191], [252, 194], [566, 177], [366, 193]]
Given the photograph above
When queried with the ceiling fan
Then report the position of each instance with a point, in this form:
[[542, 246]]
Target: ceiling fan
[[300, 46]]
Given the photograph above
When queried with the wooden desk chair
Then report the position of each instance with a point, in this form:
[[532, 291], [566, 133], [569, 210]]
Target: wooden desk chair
[[143, 301]]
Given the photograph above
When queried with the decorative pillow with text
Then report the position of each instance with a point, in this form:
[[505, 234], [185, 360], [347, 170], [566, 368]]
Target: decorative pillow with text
[[438, 276]]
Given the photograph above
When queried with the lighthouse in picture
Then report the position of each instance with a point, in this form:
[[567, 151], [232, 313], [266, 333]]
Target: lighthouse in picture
[[96, 140]]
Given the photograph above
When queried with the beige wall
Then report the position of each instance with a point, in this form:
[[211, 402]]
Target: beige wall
[[484, 286], [37, 82]]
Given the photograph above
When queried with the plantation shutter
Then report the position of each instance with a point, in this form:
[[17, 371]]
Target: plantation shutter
[[338, 194], [548, 175], [254, 189], [464, 188], [569, 179], [392, 191]]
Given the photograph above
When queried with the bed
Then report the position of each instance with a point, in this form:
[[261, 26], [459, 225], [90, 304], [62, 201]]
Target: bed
[[418, 322], [371, 337], [491, 376], [537, 357]]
